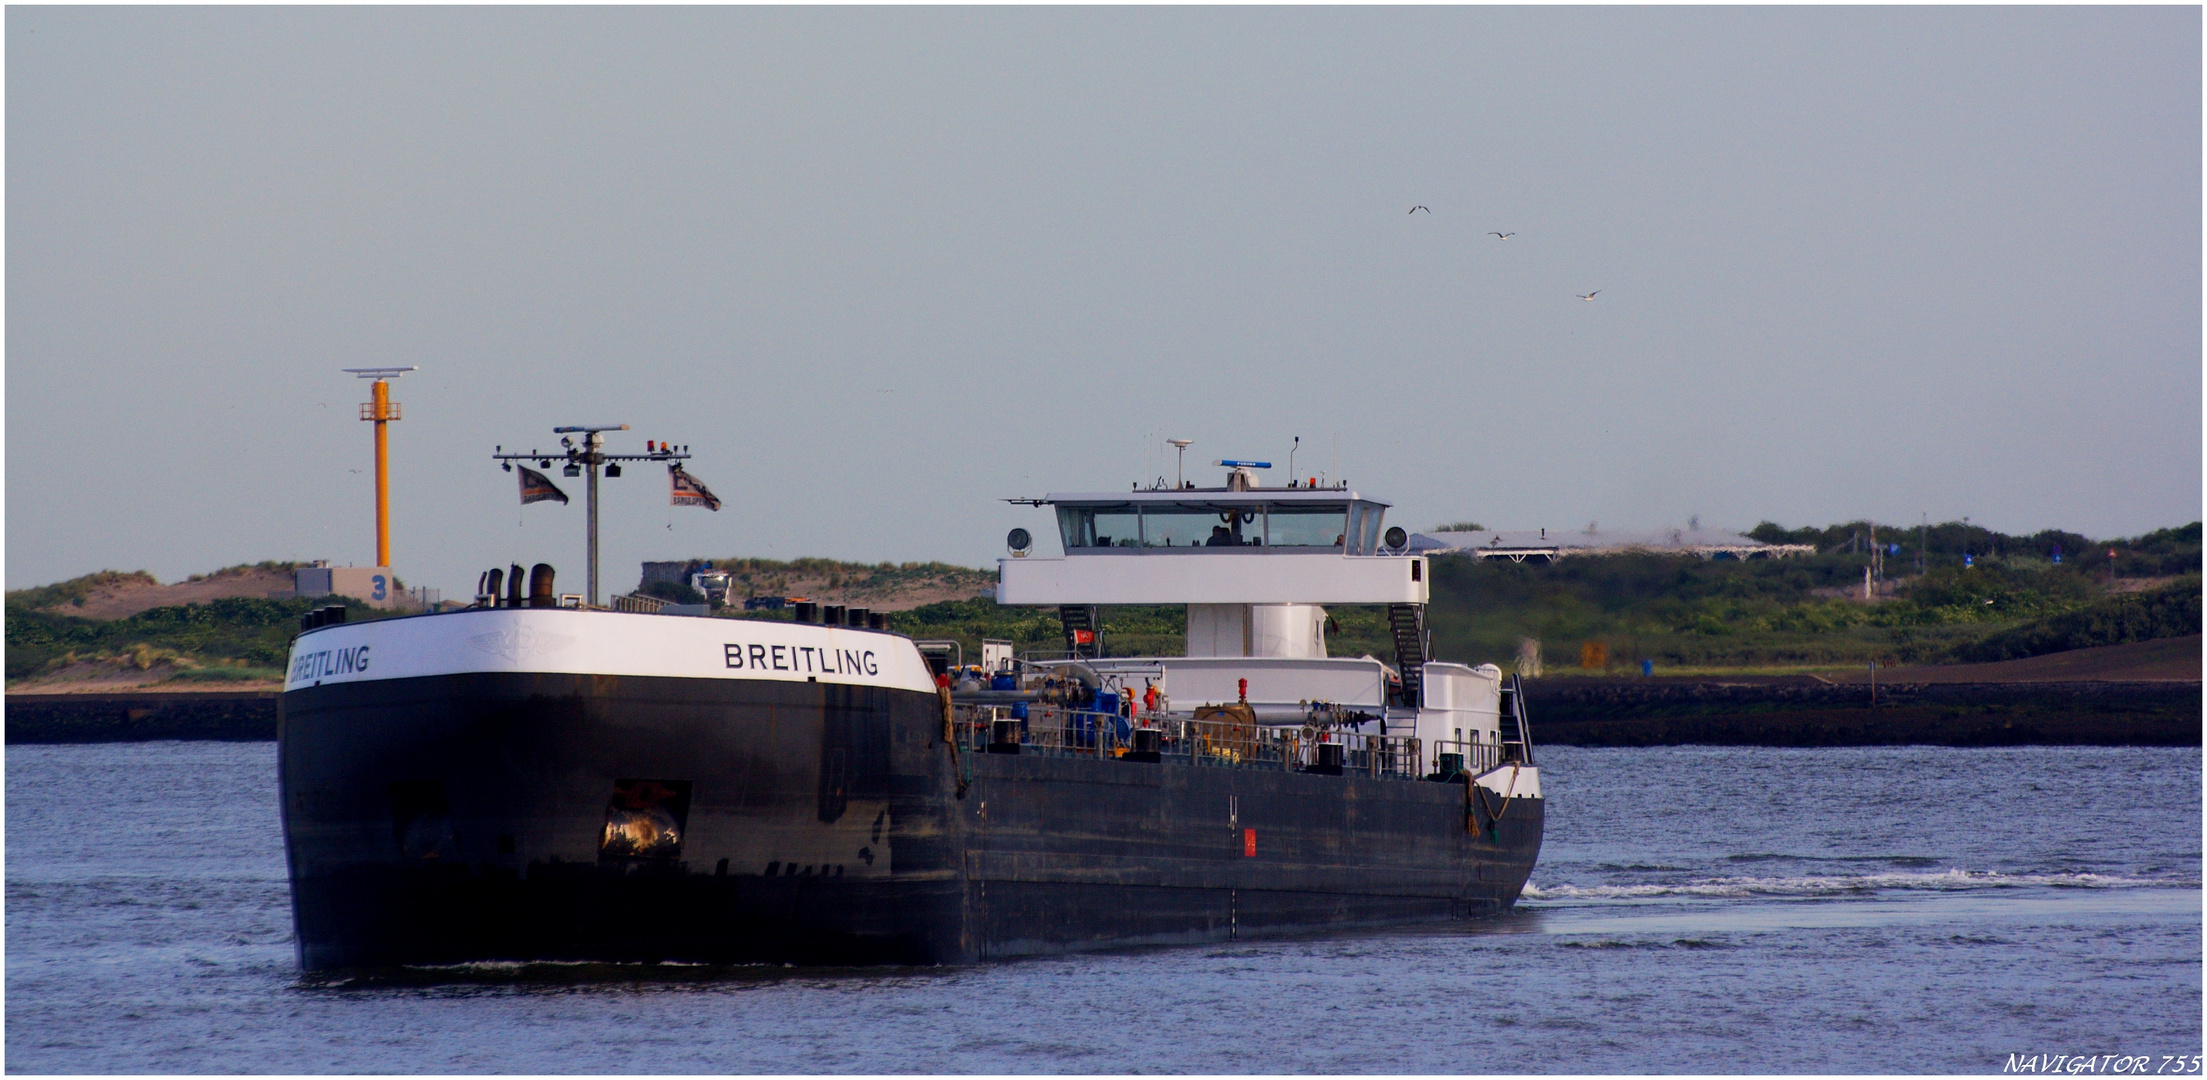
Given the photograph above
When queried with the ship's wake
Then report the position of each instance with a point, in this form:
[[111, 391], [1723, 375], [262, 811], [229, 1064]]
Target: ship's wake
[[1842, 885]]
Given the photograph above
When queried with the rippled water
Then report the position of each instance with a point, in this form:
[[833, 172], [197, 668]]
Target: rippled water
[[1695, 909]]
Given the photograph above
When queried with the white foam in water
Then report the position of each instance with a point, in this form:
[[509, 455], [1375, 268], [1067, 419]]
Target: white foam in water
[[1939, 881]]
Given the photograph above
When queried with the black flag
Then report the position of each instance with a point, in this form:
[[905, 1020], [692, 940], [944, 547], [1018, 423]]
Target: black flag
[[537, 487], [689, 490]]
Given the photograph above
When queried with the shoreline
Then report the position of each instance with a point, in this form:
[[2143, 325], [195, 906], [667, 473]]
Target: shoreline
[[1810, 713], [1571, 712], [141, 716]]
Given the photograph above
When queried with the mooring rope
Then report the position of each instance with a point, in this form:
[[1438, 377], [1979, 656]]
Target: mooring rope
[[1472, 784], [950, 736]]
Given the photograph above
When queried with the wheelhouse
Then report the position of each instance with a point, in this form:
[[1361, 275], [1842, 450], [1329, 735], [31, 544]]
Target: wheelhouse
[[1192, 522]]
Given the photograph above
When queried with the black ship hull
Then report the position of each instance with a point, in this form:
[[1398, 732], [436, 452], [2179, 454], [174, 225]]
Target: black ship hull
[[498, 815]]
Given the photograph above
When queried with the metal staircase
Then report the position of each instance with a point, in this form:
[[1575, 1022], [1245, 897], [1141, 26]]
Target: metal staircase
[[1408, 623], [1076, 619]]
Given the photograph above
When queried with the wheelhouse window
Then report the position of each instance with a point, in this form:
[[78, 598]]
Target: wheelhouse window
[[1351, 527], [1307, 526], [1363, 530], [1099, 526], [1187, 526], [1369, 542]]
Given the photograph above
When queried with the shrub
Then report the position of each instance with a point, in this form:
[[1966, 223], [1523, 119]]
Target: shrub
[[2166, 612], [674, 592]]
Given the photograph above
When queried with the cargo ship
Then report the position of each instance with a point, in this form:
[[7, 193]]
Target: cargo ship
[[526, 781]]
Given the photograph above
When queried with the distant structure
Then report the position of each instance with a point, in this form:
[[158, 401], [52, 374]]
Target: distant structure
[[695, 573], [381, 411], [1548, 545], [677, 572], [375, 585]]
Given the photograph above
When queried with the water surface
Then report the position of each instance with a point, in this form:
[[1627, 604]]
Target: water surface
[[1696, 909]]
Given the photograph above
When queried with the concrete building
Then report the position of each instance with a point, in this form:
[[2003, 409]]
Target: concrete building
[[374, 584]]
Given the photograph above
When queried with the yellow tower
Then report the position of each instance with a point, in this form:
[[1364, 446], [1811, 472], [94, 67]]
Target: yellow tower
[[381, 410]]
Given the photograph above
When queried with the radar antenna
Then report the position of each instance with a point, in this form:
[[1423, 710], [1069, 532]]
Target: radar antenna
[[1182, 446]]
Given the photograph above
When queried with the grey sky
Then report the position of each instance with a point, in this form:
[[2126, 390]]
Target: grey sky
[[884, 267]]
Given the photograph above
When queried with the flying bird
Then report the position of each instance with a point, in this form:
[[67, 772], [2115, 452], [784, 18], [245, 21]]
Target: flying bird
[[1501, 235], [1589, 297], [1415, 209]]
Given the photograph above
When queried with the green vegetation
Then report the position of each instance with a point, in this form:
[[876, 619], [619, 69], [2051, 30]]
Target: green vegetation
[[74, 591], [776, 577], [277, 566], [2161, 553], [1796, 613], [1806, 611], [674, 592], [221, 640], [2171, 611]]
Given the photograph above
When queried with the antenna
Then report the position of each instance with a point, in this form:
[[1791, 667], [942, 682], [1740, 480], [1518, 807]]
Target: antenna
[[589, 456], [1182, 446], [381, 410]]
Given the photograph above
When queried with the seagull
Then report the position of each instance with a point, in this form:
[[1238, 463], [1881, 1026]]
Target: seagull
[[1589, 297], [1415, 209], [1501, 235]]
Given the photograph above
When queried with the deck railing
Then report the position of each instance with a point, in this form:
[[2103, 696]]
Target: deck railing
[[1472, 757], [1060, 732]]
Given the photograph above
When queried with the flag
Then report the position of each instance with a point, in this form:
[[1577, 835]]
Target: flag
[[536, 487], [689, 490], [1084, 637]]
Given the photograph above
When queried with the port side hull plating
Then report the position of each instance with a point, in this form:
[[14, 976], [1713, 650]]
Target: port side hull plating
[[459, 818]]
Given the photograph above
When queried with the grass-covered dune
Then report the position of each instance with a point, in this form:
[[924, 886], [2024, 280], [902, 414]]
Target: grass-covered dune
[[235, 639], [1684, 614]]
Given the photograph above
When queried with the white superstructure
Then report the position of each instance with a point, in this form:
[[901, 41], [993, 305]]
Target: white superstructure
[[1254, 567]]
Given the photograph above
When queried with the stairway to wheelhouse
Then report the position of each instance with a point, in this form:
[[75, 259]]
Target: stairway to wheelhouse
[[1081, 621], [1407, 621]]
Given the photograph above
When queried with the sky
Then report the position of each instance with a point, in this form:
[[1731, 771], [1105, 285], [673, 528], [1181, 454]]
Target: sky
[[884, 268]]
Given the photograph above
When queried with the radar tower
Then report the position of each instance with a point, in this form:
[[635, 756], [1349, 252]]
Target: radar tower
[[381, 410]]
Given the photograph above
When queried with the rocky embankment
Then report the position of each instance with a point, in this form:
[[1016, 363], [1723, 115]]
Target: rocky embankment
[[2142, 694], [141, 717], [1667, 712]]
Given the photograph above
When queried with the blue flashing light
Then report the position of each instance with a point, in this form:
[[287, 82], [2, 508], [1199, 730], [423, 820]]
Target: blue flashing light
[[1230, 464]]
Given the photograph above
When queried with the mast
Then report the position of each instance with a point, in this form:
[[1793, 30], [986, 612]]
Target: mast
[[592, 441], [585, 460], [381, 410]]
